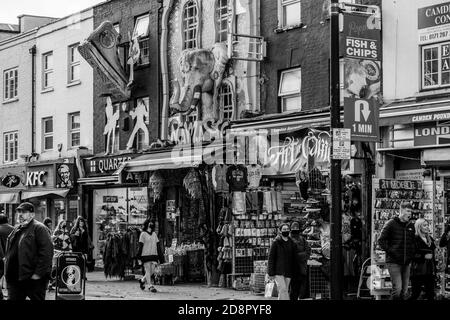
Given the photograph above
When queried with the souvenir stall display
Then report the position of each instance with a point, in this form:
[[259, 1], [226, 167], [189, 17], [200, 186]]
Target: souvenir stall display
[[187, 262], [426, 198]]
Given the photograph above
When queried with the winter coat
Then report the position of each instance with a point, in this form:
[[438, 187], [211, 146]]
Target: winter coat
[[302, 255], [420, 265], [397, 239], [5, 231], [80, 242], [282, 258], [445, 243], [35, 250]]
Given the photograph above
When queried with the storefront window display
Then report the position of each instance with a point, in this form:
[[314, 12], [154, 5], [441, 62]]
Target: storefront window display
[[114, 211]]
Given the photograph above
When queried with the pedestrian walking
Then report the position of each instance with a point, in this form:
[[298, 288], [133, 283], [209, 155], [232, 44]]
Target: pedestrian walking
[[282, 261], [397, 239], [5, 231], [79, 237], [423, 269], [149, 253], [303, 251], [61, 243], [28, 257], [48, 223]]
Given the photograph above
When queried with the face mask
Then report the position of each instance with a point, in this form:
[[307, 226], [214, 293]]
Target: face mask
[[285, 233]]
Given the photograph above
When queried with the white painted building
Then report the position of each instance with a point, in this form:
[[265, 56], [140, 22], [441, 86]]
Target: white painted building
[[64, 85]]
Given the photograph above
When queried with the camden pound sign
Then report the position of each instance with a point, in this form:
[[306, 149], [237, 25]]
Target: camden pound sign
[[70, 273]]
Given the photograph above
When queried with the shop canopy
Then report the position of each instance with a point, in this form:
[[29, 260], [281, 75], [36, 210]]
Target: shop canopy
[[35, 194], [168, 160], [9, 198]]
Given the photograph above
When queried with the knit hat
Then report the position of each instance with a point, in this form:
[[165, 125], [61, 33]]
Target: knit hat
[[295, 226]]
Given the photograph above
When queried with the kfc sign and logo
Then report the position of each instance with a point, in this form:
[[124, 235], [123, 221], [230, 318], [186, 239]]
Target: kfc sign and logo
[[35, 178]]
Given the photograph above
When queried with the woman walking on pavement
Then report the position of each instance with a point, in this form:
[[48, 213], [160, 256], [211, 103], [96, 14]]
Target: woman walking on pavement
[[79, 236], [423, 266], [282, 261], [61, 243], [149, 253]]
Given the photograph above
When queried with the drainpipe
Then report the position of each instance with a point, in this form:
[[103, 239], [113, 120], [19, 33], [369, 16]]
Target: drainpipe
[[33, 97], [165, 69], [158, 68]]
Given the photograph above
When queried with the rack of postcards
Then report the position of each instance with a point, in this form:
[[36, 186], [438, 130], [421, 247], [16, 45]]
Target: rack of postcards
[[256, 214], [388, 194]]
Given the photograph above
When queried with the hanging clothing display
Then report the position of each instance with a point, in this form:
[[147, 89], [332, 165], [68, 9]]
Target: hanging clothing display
[[237, 178], [219, 178], [267, 201], [238, 203], [254, 173], [252, 201]]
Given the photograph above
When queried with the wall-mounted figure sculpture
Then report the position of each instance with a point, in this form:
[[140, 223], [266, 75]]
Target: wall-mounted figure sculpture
[[111, 124], [202, 72], [141, 114]]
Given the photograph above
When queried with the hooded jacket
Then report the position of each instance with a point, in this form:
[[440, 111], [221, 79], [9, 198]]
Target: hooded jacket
[[302, 254], [397, 239], [35, 251], [282, 258]]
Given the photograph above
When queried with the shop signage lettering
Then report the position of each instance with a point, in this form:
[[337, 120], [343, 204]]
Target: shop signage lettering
[[107, 165], [295, 151], [431, 117], [196, 132], [35, 178], [400, 184], [11, 181], [110, 199], [434, 23], [431, 134], [140, 178]]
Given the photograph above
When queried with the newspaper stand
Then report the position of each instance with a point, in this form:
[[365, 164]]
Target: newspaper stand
[[70, 276]]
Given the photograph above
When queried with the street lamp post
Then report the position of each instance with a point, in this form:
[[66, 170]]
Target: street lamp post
[[336, 269]]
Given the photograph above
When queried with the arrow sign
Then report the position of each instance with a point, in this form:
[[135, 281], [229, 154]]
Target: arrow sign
[[362, 107], [361, 116]]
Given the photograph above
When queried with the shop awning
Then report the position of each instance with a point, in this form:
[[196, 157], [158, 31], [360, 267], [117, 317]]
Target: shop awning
[[113, 179], [9, 198], [35, 194], [436, 157], [168, 160], [414, 112]]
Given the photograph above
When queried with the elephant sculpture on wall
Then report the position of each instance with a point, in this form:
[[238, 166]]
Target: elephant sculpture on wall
[[202, 72]]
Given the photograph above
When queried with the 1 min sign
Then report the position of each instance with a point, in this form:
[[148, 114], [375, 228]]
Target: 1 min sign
[[361, 117]]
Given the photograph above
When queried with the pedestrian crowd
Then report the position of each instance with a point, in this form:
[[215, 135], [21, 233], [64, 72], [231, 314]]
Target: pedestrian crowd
[[29, 251]]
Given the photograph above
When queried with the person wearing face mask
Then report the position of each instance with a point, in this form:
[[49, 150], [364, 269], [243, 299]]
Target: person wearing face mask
[[397, 239], [28, 258], [303, 251], [282, 261], [423, 266]]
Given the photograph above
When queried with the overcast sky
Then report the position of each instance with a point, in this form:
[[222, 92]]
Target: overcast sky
[[10, 9]]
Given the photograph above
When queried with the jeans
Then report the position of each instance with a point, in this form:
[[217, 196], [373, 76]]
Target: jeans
[[426, 282], [297, 289], [282, 286], [400, 279], [149, 268], [33, 289]]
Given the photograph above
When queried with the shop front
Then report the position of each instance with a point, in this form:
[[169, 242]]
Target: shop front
[[414, 156], [51, 187], [115, 206], [12, 183]]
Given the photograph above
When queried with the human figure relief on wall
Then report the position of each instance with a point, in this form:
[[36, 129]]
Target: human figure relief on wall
[[202, 73], [111, 124], [140, 113]]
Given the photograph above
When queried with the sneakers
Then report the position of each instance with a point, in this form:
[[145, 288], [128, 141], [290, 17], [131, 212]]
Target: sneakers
[[141, 284], [152, 289]]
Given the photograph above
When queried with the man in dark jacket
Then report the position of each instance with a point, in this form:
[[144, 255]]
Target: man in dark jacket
[[28, 257], [445, 243], [299, 281], [397, 240], [5, 230], [282, 260]]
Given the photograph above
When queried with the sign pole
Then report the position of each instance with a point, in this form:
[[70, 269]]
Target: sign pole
[[336, 268]]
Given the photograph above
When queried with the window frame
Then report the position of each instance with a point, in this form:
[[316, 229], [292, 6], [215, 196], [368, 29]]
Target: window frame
[[7, 158], [47, 134], [72, 130], [281, 18], [136, 22], [46, 71], [230, 93], [439, 70], [192, 27], [11, 73], [144, 59], [72, 64], [290, 94], [220, 18]]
